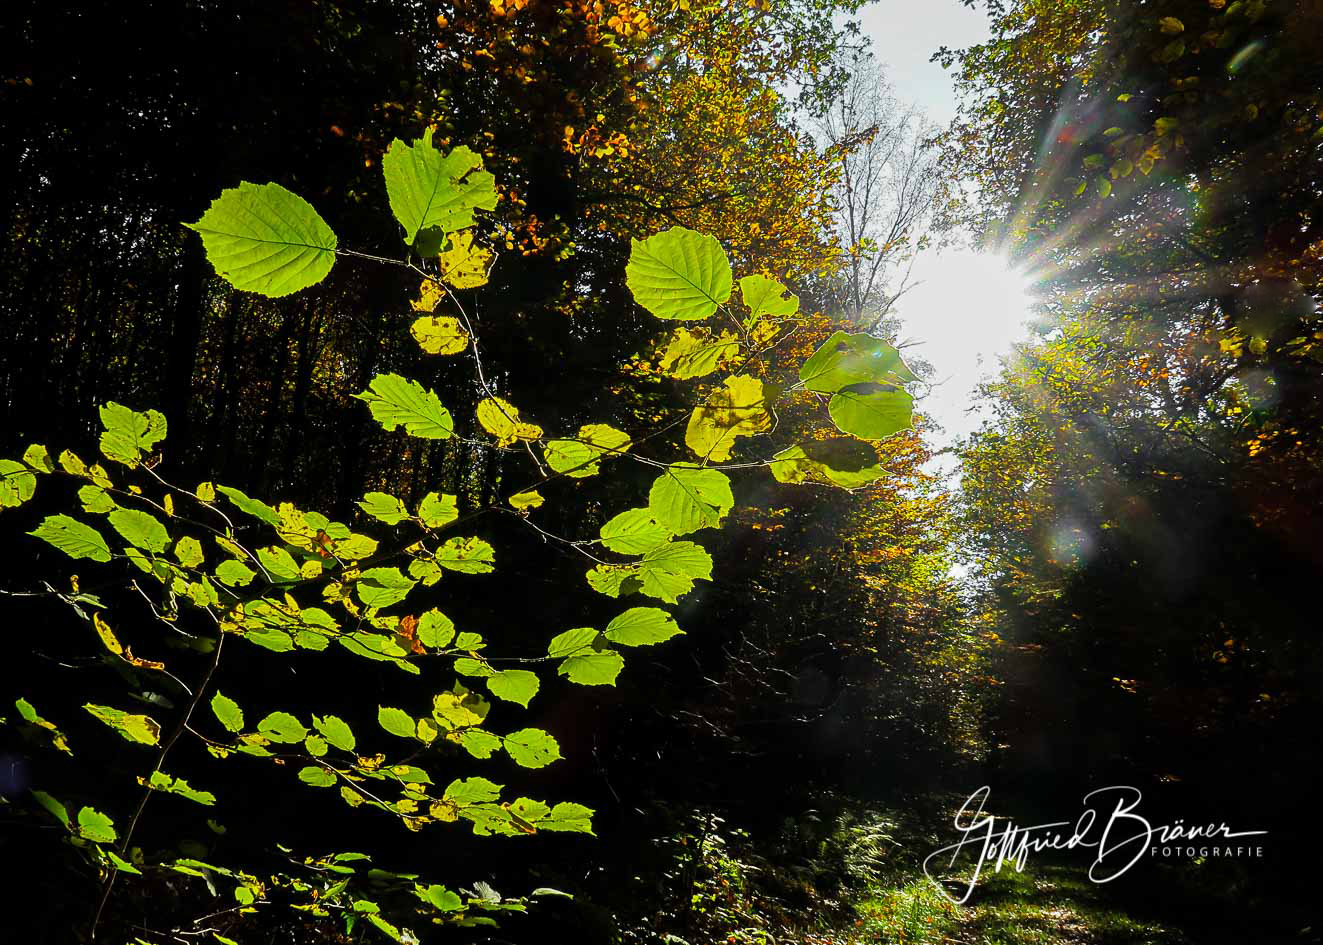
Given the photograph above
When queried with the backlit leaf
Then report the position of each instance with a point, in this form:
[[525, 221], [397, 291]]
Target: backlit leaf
[[384, 507], [580, 457], [396, 721], [845, 359], [872, 411], [686, 498], [140, 529], [765, 296], [437, 511], [596, 668], [396, 402], [227, 712], [254, 507], [467, 555], [72, 537], [679, 274], [633, 532], [462, 264], [18, 483], [96, 826], [142, 729], [316, 776], [642, 626], [440, 334], [129, 434], [514, 685], [532, 748], [262, 238], [282, 727], [336, 731], [430, 190], [737, 409], [382, 587]]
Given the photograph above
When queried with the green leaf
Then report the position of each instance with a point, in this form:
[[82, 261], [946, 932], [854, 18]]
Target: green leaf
[[382, 587], [594, 668], [435, 629], [437, 511], [72, 537], [678, 274], [686, 498], [263, 238], [642, 626], [514, 685], [96, 826], [254, 507], [443, 899], [845, 359], [396, 721], [669, 570], [467, 666], [472, 791], [282, 727], [580, 457], [872, 411], [479, 743], [633, 532], [842, 462], [396, 402], [57, 810], [234, 573], [95, 499], [467, 555], [766, 296], [227, 712], [160, 781], [142, 729], [38, 458], [18, 483], [29, 713], [140, 529], [279, 563], [124, 866], [316, 776], [316, 746], [129, 434], [189, 552], [430, 190], [615, 580], [572, 642], [384, 507], [532, 748], [567, 817], [336, 731]]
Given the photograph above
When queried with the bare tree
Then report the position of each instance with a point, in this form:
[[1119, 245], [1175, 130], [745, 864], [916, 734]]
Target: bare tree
[[887, 191]]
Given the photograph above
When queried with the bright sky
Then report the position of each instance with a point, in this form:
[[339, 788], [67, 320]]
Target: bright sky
[[966, 309]]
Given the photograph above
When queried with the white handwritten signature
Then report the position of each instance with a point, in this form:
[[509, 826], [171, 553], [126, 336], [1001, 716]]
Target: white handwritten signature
[[1124, 839]]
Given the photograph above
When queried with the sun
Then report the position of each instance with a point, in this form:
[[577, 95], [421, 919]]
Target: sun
[[966, 311]]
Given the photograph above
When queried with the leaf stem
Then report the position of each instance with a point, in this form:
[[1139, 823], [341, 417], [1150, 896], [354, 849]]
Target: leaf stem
[[147, 790]]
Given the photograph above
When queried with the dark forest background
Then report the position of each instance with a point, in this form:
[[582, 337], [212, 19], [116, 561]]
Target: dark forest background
[[1122, 590]]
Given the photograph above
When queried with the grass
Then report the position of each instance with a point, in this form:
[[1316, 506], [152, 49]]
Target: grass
[[1048, 905]]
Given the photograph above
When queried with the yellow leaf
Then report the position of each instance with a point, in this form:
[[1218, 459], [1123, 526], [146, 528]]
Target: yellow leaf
[[428, 296], [501, 419], [464, 265], [527, 500], [440, 334], [739, 409]]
